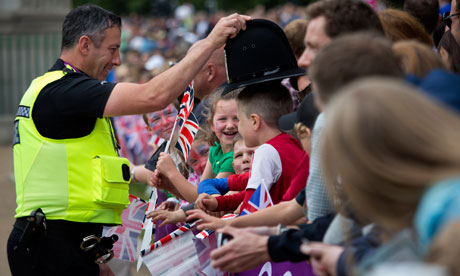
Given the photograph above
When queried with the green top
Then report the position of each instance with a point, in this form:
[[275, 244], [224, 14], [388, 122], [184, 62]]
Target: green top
[[220, 162]]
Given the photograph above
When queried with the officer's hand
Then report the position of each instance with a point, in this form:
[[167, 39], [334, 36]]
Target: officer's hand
[[227, 27]]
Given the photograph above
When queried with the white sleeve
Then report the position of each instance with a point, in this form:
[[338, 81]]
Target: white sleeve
[[266, 165]]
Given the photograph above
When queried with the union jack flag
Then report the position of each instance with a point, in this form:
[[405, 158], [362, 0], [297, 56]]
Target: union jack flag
[[184, 111], [260, 199], [126, 246], [186, 106], [203, 251], [133, 138], [187, 134]]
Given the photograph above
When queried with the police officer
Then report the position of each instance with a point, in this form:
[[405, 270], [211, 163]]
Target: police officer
[[65, 152]]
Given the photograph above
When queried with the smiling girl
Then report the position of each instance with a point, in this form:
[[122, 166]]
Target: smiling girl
[[224, 126]]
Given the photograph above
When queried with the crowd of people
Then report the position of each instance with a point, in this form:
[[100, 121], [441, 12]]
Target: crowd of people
[[345, 111]]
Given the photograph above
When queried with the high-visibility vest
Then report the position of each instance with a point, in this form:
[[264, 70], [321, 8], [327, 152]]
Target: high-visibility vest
[[77, 179]]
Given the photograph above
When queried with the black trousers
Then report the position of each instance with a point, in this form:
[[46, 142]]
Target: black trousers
[[57, 253]]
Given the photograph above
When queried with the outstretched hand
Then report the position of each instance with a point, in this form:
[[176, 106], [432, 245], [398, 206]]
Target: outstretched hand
[[167, 217], [245, 251], [206, 202], [167, 205], [227, 27], [323, 257], [205, 221]]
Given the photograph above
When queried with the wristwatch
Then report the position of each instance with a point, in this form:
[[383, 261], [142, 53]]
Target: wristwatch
[[132, 174]]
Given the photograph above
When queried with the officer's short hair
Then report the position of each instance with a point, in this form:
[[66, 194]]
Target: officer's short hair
[[89, 20]]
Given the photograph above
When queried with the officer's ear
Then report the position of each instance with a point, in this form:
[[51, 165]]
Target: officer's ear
[[84, 44]]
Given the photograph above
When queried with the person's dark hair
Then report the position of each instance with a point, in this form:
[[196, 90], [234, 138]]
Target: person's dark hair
[[345, 16], [270, 100], [89, 20], [295, 33], [438, 33], [351, 57], [452, 48], [425, 11]]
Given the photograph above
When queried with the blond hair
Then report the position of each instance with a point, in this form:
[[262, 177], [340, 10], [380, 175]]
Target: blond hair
[[417, 58], [385, 143]]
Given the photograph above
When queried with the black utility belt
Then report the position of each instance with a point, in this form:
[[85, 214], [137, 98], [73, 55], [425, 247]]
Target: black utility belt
[[68, 229], [87, 236]]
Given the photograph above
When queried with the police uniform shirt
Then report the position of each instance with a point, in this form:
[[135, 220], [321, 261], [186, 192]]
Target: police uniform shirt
[[69, 107]]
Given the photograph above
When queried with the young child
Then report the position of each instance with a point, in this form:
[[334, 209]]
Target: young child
[[160, 125], [288, 212], [198, 156], [259, 108], [224, 125], [242, 159], [196, 163]]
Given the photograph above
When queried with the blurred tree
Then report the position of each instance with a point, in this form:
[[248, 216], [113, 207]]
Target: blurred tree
[[121, 7]]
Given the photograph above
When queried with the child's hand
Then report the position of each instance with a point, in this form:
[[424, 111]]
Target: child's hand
[[167, 217], [206, 202], [167, 205], [159, 181], [205, 221], [155, 179], [238, 210], [165, 165]]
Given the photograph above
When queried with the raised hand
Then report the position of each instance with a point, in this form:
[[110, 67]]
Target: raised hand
[[155, 179], [227, 27], [166, 166]]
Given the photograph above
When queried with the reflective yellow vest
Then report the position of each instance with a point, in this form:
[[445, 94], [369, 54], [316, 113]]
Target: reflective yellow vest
[[78, 179]]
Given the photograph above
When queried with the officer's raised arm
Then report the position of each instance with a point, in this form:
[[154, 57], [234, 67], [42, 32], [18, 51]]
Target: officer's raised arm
[[129, 98]]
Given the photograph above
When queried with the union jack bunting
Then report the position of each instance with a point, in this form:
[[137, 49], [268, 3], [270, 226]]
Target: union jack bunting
[[126, 246], [166, 239], [259, 200], [187, 134], [203, 251], [179, 256], [206, 232]]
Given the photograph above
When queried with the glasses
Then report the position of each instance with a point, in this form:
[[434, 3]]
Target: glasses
[[447, 18]]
